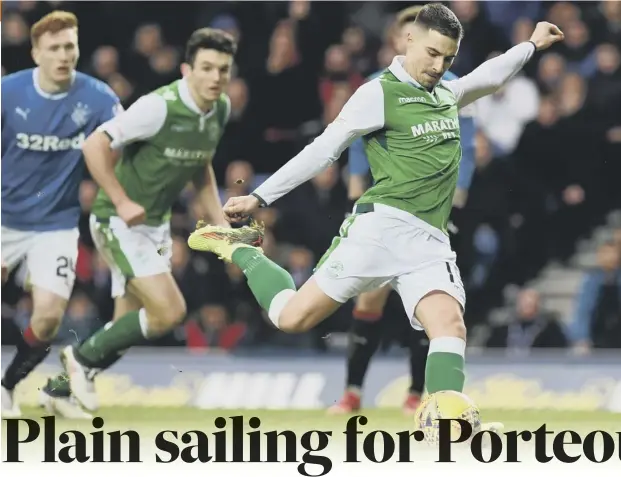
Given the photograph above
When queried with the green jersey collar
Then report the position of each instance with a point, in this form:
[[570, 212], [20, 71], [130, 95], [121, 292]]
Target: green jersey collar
[[397, 69], [186, 98]]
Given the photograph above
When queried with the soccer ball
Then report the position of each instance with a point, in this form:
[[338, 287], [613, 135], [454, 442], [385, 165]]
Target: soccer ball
[[446, 405]]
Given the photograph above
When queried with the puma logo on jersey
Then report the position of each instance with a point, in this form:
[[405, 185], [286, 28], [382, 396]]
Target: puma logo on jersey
[[39, 142], [435, 126], [22, 112], [418, 99]]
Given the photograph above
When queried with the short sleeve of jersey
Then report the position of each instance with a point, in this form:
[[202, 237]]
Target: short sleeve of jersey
[[112, 106], [141, 121]]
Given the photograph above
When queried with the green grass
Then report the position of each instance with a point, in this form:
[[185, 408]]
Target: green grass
[[390, 420]]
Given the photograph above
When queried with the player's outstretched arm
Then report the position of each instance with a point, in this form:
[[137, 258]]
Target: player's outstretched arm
[[141, 121], [493, 74], [363, 113]]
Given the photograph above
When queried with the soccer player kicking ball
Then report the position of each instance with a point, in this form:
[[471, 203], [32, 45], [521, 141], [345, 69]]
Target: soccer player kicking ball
[[398, 231], [169, 138], [366, 329], [47, 113]]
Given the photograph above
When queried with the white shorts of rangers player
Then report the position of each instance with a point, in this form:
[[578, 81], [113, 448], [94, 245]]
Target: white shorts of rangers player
[[131, 252], [389, 246], [49, 257]]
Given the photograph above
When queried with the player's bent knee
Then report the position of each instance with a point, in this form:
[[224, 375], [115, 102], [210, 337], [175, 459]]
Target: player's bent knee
[[441, 315], [45, 326], [162, 316]]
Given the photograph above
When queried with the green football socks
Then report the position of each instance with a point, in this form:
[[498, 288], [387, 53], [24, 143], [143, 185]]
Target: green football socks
[[445, 365], [265, 278], [127, 331]]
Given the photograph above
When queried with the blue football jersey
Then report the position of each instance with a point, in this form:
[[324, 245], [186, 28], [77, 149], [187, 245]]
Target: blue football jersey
[[42, 137]]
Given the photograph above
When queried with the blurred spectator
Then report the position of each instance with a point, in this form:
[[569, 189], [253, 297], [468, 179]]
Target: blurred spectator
[[231, 146], [480, 36], [15, 43], [529, 327], [577, 48], [563, 13], [191, 273], [355, 42], [609, 26], [300, 266], [105, 62], [314, 226], [503, 115], [338, 72], [551, 71], [211, 329], [277, 109], [597, 318], [123, 89], [341, 92], [165, 65], [147, 41]]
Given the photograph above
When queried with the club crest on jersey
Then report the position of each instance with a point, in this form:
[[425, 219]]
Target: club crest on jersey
[[80, 114]]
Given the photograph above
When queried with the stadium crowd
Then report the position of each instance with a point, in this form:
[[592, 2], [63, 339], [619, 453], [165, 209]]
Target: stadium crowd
[[548, 154]]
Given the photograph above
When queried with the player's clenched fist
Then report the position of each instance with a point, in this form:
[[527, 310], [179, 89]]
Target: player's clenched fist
[[545, 35], [131, 213], [237, 209]]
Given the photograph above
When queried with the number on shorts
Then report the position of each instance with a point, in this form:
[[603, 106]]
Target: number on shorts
[[64, 264]]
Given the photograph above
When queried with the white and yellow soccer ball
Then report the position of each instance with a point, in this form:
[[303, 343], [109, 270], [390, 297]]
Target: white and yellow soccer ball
[[446, 405]]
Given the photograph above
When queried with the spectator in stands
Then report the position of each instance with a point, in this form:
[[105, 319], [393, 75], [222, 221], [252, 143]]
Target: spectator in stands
[[551, 70], [15, 43], [480, 39], [503, 115], [597, 318], [610, 26], [338, 71], [355, 41], [578, 48], [211, 329], [529, 327], [148, 40], [105, 62]]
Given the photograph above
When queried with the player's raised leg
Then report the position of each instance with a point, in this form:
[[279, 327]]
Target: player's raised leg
[[289, 310], [363, 340]]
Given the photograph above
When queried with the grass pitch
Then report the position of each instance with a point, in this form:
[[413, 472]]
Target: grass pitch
[[149, 422]]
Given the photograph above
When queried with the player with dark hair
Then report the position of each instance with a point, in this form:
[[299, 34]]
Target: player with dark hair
[[366, 330], [398, 232], [169, 138], [47, 113]]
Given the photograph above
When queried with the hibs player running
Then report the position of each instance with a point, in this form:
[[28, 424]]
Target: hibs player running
[[397, 234], [169, 138]]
